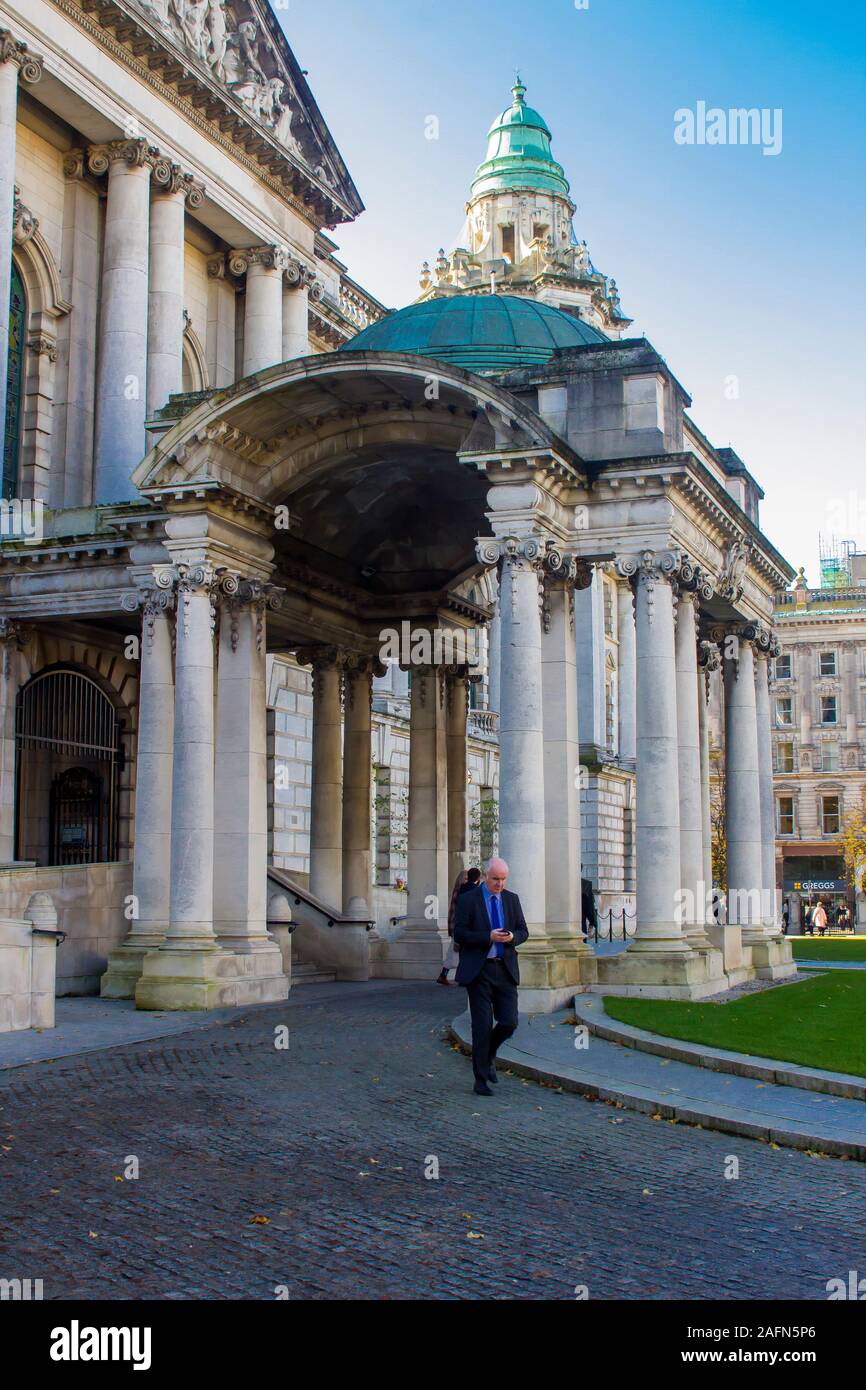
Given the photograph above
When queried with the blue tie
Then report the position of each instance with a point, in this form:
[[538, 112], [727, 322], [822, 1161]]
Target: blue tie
[[496, 912]]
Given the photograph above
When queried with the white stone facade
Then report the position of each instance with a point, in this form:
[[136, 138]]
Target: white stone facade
[[237, 510]]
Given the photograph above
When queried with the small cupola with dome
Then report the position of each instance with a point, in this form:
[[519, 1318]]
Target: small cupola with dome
[[519, 233]]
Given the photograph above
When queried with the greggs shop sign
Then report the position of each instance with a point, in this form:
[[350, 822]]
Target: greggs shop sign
[[816, 885]]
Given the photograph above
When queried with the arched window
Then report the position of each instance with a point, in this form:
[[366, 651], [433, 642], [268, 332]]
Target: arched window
[[14, 383]]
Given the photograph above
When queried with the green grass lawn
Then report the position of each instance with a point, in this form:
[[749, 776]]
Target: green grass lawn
[[828, 947], [819, 1023]]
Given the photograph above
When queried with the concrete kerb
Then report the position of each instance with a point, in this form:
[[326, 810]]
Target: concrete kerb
[[649, 1100], [831, 1083]]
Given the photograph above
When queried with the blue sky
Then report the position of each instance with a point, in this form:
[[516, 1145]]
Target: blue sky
[[733, 263]]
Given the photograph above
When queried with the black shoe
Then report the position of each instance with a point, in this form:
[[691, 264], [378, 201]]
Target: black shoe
[[481, 1088], [491, 1075]]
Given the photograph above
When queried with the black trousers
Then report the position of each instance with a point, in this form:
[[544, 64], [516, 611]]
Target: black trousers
[[492, 994]]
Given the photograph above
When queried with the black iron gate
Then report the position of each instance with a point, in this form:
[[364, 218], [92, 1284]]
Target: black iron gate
[[67, 732]]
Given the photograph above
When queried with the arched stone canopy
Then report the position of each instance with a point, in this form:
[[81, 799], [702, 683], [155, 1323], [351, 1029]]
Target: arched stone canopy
[[365, 452]]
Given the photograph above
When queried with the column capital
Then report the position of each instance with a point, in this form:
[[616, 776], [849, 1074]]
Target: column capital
[[155, 597], [15, 51], [760, 637], [650, 565], [649, 568], [136, 153], [269, 257], [168, 178], [692, 579], [565, 567], [362, 664], [75, 164], [671, 565], [298, 276], [234, 594], [321, 658], [340, 659], [519, 553], [420, 677], [153, 593], [244, 589], [24, 223]]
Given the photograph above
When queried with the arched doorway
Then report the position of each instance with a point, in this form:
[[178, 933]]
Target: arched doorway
[[68, 756]]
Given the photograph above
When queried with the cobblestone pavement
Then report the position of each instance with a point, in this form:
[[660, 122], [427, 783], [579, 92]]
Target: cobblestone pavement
[[538, 1192]]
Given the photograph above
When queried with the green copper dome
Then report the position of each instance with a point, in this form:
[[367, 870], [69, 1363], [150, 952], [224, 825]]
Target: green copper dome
[[482, 333], [518, 153]]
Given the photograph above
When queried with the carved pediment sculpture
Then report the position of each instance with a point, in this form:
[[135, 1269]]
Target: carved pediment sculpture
[[230, 41]]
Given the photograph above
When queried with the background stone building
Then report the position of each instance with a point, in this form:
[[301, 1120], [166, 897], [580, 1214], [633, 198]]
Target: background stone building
[[819, 727]]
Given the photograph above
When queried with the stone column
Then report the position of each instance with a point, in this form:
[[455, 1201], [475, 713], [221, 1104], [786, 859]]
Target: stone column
[[240, 768], [493, 660], [75, 405], [456, 713], [568, 956], [659, 959], [770, 918], [658, 815], [694, 886], [263, 314], [12, 639], [170, 192], [326, 798], [429, 886], [121, 384], [151, 864], [182, 973], [747, 806], [627, 672], [417, 953], [16, 60], [357, 789], [221, 322], [521, 723], [743, 789], [709, 661], [300, 286]]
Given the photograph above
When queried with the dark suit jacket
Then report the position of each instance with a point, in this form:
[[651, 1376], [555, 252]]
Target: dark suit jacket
[[472, 930]]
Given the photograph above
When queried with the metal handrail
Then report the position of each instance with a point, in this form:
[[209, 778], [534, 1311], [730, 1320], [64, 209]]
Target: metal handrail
[[598, 933]]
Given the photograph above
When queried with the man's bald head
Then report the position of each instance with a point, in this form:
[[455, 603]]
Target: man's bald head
[[497, 874]]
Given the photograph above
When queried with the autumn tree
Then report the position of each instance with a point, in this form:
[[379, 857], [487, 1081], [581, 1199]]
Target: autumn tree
[[853, 841]]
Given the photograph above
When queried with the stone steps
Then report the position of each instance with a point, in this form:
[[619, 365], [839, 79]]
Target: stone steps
[[311, 975]]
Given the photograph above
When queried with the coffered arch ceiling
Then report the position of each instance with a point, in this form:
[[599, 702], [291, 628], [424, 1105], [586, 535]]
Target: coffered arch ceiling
[[363, 451]]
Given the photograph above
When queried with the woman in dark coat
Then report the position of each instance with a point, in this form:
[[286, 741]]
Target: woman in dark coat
[[466, 879]]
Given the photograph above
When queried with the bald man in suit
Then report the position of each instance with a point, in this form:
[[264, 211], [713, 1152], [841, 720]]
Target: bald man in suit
[[489, 925]]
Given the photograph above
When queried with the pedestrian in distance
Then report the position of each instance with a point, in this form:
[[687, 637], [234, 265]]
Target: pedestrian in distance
[[466, 879]]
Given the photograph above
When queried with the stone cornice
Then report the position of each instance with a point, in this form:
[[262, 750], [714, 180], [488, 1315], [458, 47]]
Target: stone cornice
[[157, 59], [690, 476]]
